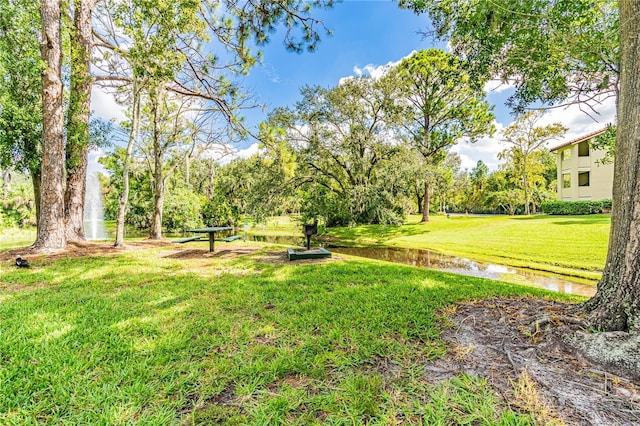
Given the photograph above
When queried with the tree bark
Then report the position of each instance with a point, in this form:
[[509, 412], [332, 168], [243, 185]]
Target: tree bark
[[158, 179], [427, 201], [124, 196], [525, 184], [616, 305], [78, 120], [35, 180], [51, 230]]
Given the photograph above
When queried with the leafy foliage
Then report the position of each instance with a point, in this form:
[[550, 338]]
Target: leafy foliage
[[438, 103], [606, 142], [526, 152], [339, 138], [17, 205], [20, 91], [551, 51], [575, 207], [182, 211]]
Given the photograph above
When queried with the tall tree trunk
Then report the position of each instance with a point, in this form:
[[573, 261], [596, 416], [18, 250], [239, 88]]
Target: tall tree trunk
[[75, 194], [616, 305], [419, 199], [51, 231], [158, 180], [427, 201], [35, 180], [525, 185], [187, 166], [124, 196], [78, 120]]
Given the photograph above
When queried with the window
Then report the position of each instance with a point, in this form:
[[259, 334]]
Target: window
[[566, 180], [583, 179], [566, 154], [583, 149]]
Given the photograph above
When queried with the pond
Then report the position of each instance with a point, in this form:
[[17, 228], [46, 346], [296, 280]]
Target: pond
[[453, 264]]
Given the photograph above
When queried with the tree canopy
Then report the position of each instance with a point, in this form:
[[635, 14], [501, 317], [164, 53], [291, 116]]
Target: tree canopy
[[551, 51]]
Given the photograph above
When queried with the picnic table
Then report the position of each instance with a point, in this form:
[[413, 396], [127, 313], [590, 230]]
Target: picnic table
[[212, 233]]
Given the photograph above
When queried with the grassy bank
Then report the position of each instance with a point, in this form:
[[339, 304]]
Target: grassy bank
[[16, 237], [142, 338], [570, 245]]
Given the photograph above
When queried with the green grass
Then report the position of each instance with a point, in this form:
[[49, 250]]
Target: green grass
[[16, 237], [140, 338], [570, 245], [276, 226]]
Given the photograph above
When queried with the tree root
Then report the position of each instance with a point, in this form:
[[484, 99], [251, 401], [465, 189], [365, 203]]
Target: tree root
[[541, 321]]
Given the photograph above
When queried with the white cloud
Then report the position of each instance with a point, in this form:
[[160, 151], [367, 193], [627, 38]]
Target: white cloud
[[104, 105], [580, 120], [485, 149], [572, 117], [242, 153], [376, 71], [497, 86]]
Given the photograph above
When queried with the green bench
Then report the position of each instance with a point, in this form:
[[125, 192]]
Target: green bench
[[229, 239], [186, 240]]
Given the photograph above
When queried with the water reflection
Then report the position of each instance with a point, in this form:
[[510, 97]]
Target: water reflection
[[462, 266], [456, 265]]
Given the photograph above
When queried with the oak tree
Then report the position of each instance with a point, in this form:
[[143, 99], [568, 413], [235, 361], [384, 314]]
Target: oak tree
[[578, 51]]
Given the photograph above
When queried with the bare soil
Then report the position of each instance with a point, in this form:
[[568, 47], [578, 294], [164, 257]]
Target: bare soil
[[517, 344], [176, 251], [530, 367]]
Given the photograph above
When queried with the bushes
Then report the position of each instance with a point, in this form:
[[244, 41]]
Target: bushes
[[576, 207]]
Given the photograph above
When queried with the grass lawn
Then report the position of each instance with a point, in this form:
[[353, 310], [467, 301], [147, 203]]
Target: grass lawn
[[16, 237], [288, 226], [571, 245], [141, 338]]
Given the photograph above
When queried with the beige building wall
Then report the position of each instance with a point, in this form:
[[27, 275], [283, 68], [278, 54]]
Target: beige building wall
[[587, 178]]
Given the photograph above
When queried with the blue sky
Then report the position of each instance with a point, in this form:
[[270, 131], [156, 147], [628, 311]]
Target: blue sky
[[367, 35], [364, 33], [370, 34]]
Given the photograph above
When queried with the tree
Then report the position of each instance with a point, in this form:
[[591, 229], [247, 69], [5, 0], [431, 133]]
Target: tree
[[551, 51], [606, 142], [160, 45], [21, 91], [616, 305], [589, 36], [439, 104], [477, 188], [341, 140], [51, 230], [77, 144], [526, 139]]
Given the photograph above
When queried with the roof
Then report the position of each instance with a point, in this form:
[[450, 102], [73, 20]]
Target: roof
[[580, 139]]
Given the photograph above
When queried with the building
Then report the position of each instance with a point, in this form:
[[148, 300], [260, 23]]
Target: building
[[582, 175]]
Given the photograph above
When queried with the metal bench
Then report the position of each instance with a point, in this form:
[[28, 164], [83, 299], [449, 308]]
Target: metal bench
[[232, 238], [186, 240]]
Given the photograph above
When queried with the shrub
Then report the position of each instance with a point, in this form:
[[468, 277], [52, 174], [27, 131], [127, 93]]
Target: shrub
[[575, 207], [219, 212], [182, 211]]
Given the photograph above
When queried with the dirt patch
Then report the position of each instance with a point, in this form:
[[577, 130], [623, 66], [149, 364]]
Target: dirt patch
[[530, 367], [82, 249], [90, 248], [230, 251]]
